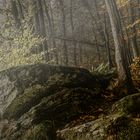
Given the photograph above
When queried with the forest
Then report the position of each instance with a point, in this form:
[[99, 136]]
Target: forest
[[69, 70]]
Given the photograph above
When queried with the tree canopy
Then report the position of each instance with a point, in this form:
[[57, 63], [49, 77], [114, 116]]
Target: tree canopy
[[73, 33]]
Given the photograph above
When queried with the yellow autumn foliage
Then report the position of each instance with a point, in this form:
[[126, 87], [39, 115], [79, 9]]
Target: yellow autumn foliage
[[137, 22], [135, 71], [16, 50]]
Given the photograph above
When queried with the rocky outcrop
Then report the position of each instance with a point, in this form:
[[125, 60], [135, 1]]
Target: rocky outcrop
[[122, 123], [129, 104], [15, 81], [42, 98], [42, 102]]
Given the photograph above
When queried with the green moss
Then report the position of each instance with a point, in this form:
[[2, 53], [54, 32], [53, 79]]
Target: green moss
[[24, 102], [125, 128], [41, 131], [33, 95], [37, 132], [30, 98], [128, 105], [63, 80], [129, 132]]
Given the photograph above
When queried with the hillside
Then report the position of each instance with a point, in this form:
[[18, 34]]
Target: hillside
[[44, 102]]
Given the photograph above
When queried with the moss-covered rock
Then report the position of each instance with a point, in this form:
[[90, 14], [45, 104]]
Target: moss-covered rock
[[97, 129], [36, 133], [122, 123], [129, 131], [24, 102], [42, 131], [57, 109], [128, 105], [14, 81], [65, 105], [41, 99], [114, 127], [47, 94]]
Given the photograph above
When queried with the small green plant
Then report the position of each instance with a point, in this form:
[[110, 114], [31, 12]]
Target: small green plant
[[38, 132], [103, 69], [135, 71]]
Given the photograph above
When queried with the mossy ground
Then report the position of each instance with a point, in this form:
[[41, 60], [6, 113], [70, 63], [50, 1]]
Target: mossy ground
[[42, 131], [127, 129], [24, 102], [61, 98]]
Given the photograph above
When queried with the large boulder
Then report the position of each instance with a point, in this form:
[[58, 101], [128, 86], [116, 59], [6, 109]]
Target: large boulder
[[129, 105], [14, 81], [36, 100], [43, 102], [52, 112], [112, 127], [121, 123]]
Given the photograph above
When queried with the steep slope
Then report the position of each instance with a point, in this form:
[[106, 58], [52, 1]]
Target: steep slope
[[43, 96], [43, 102]]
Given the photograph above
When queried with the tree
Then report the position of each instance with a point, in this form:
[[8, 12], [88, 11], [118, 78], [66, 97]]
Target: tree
[[72, 28], [133, 31], [65, 49], [15, 13], [51, 27], [69, 39], [43, 29], [120, 50]]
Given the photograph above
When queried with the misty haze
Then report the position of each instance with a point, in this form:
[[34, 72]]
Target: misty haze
[[69, 69]]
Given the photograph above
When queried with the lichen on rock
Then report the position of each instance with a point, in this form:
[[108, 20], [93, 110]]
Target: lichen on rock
[[41, 102]]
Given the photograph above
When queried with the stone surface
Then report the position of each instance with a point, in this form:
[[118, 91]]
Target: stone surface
[[40, 102], [128, 105], [14, 81], [42, 98], [122, 123]]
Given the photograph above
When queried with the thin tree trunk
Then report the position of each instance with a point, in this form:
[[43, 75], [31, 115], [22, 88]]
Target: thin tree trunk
[[43, 29], [72, 27], [20, 9], [51, 27], [65, 49], [36, 18], [95, 27], [133, 31], [15, 13], [107, 43]]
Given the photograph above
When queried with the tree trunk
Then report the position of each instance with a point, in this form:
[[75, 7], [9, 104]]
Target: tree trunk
[[15, 13], [133, 31], [20, 9], [72, 27], [43, 29], [65, 49], [51, 27], [107, 44], [120, 52]]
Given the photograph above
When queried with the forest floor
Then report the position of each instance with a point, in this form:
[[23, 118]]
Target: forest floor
[[64, 103]]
